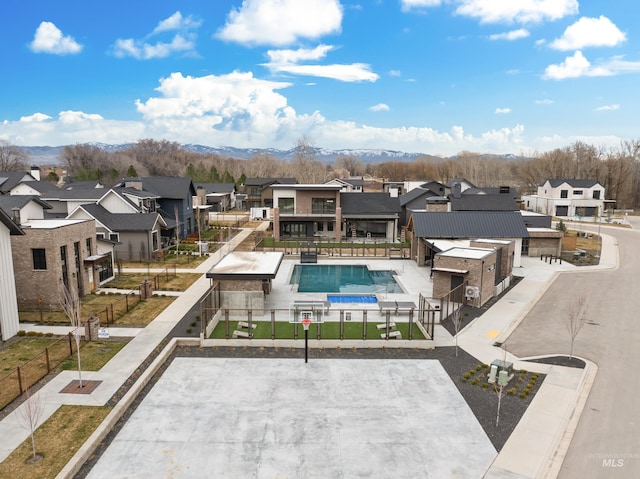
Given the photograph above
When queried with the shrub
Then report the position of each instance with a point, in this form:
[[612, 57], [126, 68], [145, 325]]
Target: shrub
[[479, 367], [467, 376], [22, 332], [474, 382], [485, 385], [511, 391], [523, 394], [189, 330]]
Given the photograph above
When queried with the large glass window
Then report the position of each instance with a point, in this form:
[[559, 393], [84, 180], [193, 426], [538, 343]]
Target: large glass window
[[323, 206], [564, 193], [596, 194], [286, 205], [39, 258], [63, 262]]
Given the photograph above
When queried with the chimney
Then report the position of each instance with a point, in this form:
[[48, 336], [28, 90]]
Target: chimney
[[456, 190], [35, 172], [504, 190], [135, 183]]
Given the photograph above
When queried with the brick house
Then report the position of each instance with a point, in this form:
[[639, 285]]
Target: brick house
[[51, 253]]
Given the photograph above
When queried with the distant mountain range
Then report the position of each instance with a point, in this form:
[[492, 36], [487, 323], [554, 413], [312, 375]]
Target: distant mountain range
[[47, 155]]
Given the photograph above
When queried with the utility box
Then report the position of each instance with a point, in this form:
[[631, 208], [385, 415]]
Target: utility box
[[503, 366]]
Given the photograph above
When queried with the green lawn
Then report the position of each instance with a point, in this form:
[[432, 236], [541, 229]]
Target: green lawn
[[328, 330]]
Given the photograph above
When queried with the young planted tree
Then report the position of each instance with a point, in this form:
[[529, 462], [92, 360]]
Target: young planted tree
[[576, 319], [501, 380], [30, 413], [70, 302], [456, 320]]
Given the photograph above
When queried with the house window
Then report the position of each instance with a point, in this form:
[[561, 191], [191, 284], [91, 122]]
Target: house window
[[63, 262], [578, 192], [100, 235], [286, 205], [596, 194], [323, 206], [330, 226], [88, 246], [114, 236], [39, 258], [564, 193]]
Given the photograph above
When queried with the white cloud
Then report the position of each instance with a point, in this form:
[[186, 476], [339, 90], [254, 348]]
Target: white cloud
[[608, 108], [395, 73], [49, 39], [577, 66], [589, 32], [287, 61], [502, 111], [177, 22], [380, 107], [512, 35], [182, 42], [36, 117], [419, 4], [148, 51], [281, 22], [521, 11], [546, 101]]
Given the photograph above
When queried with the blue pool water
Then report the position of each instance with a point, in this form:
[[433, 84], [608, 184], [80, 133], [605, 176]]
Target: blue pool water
[[352, 298], [340, 278]]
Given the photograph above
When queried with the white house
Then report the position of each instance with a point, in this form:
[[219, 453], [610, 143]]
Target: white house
[[9, 322], [567, 198]]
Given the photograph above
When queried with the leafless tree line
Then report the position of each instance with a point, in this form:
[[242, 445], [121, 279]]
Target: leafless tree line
[[617, 169]]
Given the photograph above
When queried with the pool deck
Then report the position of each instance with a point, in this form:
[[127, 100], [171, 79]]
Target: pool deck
[[412, 279]]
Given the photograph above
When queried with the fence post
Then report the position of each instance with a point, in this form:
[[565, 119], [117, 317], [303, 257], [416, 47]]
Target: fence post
[[46, 353], [113, 319], [19, 380], [126, 302], [273, 324], [364, 324]]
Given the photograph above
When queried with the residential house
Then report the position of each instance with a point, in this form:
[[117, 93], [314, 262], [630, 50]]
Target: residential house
[[415, 200], [34, 188], [9, 322], [63, 202], [566, 198], [220, 196], [349, 185], [52, 253], [259, 192], [10, 179], [23, 208], [174, 197], [504, 198], [306, 211], [135, 235]]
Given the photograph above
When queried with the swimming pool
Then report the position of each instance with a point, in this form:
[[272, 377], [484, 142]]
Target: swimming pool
[[342, 278]]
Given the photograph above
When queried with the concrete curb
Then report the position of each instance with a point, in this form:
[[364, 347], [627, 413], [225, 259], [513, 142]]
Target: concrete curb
[[90, 445]]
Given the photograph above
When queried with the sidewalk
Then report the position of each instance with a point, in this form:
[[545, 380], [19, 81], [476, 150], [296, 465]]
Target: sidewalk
[[120, 367]]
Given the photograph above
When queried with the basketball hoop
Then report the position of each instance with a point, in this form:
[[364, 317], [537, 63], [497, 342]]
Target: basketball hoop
[[305, 323]]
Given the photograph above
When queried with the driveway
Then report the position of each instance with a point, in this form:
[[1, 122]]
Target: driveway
[[606, 443]]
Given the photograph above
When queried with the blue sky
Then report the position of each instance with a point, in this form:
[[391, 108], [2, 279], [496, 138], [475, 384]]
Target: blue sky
[[429, 76]]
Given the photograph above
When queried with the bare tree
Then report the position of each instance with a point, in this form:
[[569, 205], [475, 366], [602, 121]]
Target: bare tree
[[30, 413], [12, 158], [70, 302], [576, 319], [500, 381]]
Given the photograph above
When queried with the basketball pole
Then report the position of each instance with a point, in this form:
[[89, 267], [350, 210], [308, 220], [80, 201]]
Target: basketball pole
[[305, 323]]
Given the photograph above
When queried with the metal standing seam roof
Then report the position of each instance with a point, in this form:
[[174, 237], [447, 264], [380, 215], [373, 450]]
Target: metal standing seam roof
[[216, 187], [169, 187], [469, 224], [481, 202]]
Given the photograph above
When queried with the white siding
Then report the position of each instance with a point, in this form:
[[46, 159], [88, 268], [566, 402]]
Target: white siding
[[115, 204], [24, 189], [8, 301]]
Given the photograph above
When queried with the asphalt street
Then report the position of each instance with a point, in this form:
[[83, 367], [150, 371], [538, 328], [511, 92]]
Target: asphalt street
[[606, 443]]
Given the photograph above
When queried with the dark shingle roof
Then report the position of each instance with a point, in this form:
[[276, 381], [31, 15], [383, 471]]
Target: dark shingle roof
[[13, 178], [469, 224], [43, 187], [572, 182], [369, 204], [7, 202], [170, 187], [269, 181], [216, 187], [122, 221], [414, 194], [77, 185], [88, 194]]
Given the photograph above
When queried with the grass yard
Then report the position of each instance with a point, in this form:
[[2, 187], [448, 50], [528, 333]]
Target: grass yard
[[168, 282], [139, 315], [328, 330], [94, 355], [170, 260], [57, 440], [22, 351]]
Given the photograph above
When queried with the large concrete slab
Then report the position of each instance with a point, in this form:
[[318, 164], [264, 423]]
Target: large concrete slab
[[238, 418]]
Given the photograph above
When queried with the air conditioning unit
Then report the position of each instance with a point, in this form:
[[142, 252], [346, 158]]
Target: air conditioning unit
[[471, 292]]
